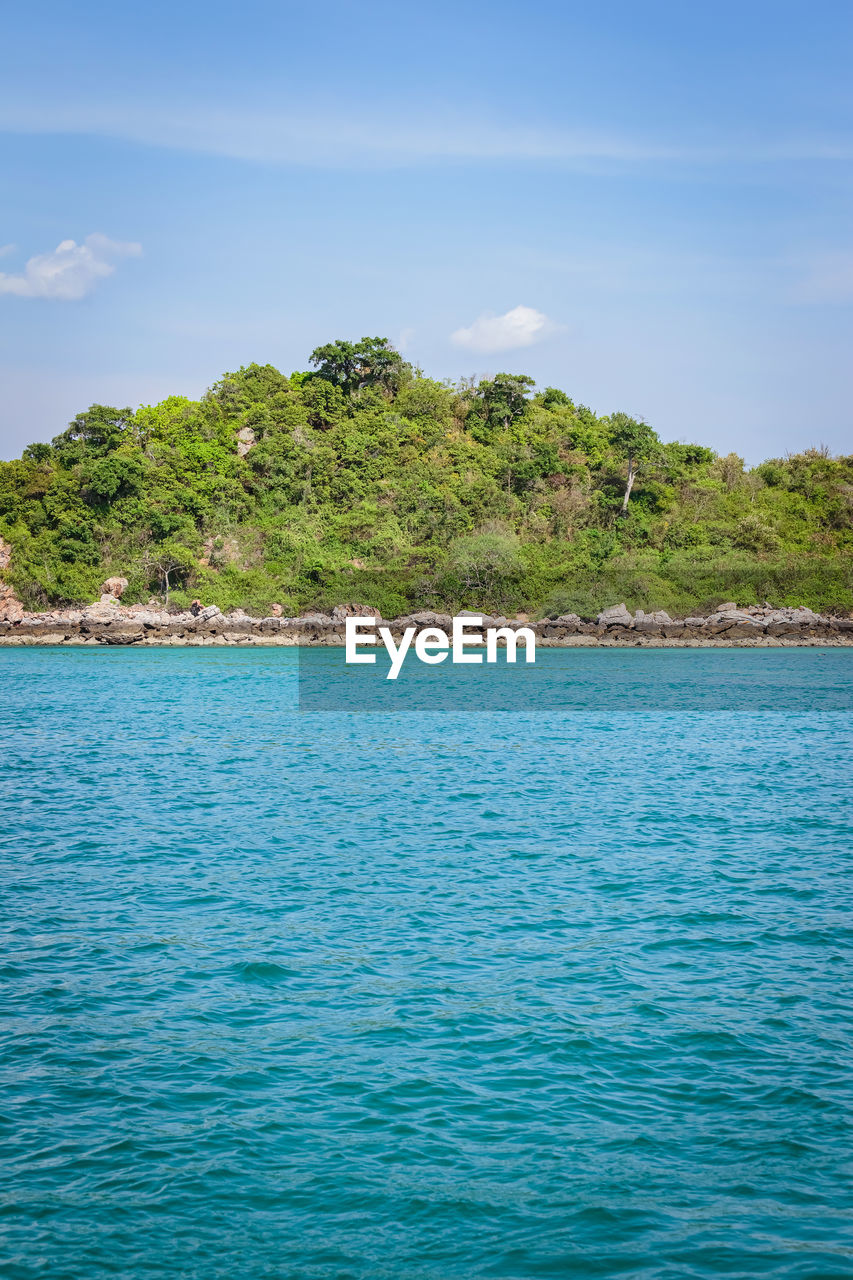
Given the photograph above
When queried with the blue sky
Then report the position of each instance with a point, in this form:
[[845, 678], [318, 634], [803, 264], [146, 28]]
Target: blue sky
[[647, 205]]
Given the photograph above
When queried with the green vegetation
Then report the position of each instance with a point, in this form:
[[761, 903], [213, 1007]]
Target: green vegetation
[[363, 480]]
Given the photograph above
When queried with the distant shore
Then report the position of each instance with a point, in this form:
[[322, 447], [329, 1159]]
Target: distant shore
[[110, 623]]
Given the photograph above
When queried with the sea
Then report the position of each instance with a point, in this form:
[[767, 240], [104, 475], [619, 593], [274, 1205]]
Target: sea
[[309, 989]]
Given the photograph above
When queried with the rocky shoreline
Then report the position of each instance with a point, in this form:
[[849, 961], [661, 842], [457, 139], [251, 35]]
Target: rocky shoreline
[[110, 623]]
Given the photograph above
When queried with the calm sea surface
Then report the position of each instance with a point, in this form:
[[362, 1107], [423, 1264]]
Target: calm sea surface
[[427, 996]]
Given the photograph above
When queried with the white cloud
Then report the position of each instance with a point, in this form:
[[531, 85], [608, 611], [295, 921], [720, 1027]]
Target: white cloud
[[71, 271], [519, 327], [313, 134]]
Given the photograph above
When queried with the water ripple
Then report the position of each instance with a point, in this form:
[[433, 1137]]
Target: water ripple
[[334, 996]]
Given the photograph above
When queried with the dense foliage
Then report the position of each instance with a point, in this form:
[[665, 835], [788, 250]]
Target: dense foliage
[[364, 480]]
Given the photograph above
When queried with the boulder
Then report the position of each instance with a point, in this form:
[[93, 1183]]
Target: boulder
[[616, 616], [245, 440], [121, 635], [11, 609], [114, 587], [745, 628], [311, 622], [105, 612], [805, 617], [212, 611], [341, 612]]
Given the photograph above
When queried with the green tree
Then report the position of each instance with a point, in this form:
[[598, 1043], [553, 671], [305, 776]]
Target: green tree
[[505, 398], [484, 560], [172, 563], [94, 433], [372, 362], [636, 441]]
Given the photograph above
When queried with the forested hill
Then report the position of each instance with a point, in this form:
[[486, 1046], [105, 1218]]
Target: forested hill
[[362, 480]]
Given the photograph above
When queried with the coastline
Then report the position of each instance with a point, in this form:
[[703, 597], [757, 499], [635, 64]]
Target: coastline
[[111, 624]]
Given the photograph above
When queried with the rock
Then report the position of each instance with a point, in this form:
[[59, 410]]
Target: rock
[[114, 587], [11, 610], [805, 616], [729, 616], [616, 616], [567, 620], [121, 635], [695, 622], [746, 627], [487, 619], [341, 612], [782, 629], [310, 622], [728, 607], [5, 555], [245, 440], [660, 616], [103, 613], [212, 611], [106, 598]]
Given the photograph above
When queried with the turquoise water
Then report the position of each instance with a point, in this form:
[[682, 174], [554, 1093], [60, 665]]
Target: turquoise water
[[427, 997]]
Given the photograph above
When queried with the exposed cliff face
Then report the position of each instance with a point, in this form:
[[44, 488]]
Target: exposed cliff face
[[11, 609], [109, 622]]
